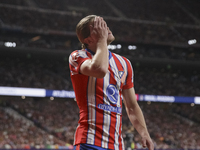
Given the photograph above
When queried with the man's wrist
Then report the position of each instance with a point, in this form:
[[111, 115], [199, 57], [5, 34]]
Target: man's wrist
[[102, 44], [145, 135], [102, 40]]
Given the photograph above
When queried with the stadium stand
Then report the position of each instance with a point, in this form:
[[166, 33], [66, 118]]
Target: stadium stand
[[154, 10], [54, 74], [52, 117], [19, 134], [167, 130], [35, 74], [163, 63], [131, 29]]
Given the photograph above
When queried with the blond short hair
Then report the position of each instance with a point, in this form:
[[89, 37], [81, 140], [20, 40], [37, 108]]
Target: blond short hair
[[83, 29]]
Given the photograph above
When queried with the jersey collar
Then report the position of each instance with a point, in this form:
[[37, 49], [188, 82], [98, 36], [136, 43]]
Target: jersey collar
[[110, 54]]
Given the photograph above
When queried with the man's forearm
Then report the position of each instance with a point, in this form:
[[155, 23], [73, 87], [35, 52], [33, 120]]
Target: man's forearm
[[100, 59], [137, 119]]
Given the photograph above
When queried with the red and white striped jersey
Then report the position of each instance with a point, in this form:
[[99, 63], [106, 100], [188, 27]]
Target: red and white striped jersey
[[100, 100]]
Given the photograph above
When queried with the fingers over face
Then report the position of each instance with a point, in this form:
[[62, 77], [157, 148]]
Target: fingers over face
[[99, 22], [95, 21]]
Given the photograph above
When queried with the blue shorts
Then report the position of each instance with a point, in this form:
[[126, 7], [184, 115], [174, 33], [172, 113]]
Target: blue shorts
[[87, 147]]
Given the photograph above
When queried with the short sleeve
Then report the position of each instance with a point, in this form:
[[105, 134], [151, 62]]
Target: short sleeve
[[129, 77], [76, 58]]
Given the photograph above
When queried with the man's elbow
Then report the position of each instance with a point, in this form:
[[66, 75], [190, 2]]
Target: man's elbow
[[100, 71]]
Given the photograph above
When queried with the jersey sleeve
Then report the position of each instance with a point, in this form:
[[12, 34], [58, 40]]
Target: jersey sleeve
[[129, 77], [76, 58]]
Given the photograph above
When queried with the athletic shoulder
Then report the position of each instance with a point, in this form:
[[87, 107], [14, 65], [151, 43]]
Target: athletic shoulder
[[119, 56], [79, 54], [76, 58]]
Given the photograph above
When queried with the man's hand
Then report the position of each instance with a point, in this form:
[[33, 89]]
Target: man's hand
[[99, 31], [147, 142], [97, 42]]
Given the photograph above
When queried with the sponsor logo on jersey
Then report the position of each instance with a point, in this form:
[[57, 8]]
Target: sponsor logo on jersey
[[110, 108], [113, 93]]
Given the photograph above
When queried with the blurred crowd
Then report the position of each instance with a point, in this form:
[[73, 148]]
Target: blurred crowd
[[169, 129], [55, 74], [59, 117], [54, 122], [153, 10], [155, 21], [159, 29], [56, 43], [36, 74], [178, 82], [185, 111], [68, 44], [18, 134]]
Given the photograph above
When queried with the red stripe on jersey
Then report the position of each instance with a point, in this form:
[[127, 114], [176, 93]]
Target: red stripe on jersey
[[129, 78], [99, 112], [82, 103]]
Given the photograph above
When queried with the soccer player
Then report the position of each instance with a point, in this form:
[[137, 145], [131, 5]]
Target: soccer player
[[102, 81]]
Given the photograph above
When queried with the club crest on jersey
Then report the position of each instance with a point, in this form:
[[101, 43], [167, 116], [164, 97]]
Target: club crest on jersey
[[121, 73]]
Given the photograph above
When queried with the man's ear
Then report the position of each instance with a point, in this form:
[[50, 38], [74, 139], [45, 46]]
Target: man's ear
[[88, 40]]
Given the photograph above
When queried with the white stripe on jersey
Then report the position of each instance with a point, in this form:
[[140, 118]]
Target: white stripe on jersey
[[117, 78], [122, 141], [116, 74], [106, 116], [116, 145], [91, 110]]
